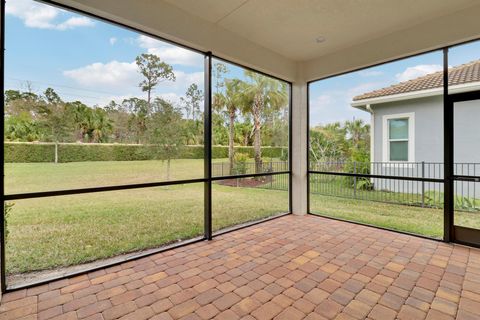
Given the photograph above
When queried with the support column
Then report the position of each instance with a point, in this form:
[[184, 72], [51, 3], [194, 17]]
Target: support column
[[299, 148]]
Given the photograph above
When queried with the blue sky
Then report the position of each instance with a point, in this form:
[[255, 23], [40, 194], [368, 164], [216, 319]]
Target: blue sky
[[92, 61], [85, 59], [330, 98]]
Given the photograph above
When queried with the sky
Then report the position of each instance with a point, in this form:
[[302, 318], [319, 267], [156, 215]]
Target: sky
[[330, 98], [93, 61], [85, 59]]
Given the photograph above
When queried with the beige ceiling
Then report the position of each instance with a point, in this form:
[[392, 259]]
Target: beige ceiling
[[290, 27], [278, 36]]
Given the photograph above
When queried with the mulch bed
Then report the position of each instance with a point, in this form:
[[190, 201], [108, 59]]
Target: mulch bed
[[246, 182]]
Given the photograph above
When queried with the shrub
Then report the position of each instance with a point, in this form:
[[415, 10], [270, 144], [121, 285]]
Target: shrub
[[284, 154], [76, 152], [29, 152], [240, 163]]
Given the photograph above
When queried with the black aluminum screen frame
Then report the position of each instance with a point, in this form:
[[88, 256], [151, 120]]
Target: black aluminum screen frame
[[206, 180], [448, 143]]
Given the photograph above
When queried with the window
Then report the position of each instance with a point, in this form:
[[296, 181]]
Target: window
[[398, 138]]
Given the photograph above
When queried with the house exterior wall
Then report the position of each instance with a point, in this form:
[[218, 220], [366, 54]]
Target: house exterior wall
[[428, 126]]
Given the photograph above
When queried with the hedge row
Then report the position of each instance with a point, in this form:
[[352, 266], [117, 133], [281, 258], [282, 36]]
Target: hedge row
[[71, 152]]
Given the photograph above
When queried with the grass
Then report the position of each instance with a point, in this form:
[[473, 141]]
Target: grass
[[423, 221], [339, 186], [31, 177], [67, 230]]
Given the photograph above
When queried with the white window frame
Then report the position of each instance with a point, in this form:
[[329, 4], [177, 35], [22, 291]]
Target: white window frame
[[411, 136]]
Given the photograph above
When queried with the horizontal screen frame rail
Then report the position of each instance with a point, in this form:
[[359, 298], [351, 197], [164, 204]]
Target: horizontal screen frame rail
[[55, 193], [377, 176]]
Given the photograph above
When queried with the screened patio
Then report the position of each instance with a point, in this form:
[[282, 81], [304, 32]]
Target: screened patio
[[289, 179]]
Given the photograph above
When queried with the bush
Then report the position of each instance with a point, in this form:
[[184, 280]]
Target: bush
[[240, 163], [29, 152], [76, 152]]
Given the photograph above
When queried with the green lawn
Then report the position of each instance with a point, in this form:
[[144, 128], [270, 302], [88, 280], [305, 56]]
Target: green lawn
[[32, 177], [66, 230], [417, 220]]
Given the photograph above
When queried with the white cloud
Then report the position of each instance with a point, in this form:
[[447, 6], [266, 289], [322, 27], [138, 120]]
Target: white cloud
[[112, 40], [112, 74], [122, 79], [169, 53], [74, 22], [417, 71], [37, 15]]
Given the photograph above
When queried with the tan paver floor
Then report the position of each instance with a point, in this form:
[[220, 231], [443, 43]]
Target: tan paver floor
[[288, 268]]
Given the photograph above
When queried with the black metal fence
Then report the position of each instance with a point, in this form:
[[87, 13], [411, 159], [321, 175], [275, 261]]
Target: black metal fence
[[388, 190], [391, 190], [275, 182], [220, 169]]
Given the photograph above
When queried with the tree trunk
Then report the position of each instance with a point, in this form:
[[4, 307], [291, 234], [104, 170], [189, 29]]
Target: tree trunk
[[231, 135], [168, 169], [149, 91], [56, 151], [257, 143]]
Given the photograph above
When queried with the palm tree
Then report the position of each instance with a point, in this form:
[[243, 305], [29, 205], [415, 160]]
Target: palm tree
[[229, 103], [262, 95], [100, 125], [356, 130], [80, 118]]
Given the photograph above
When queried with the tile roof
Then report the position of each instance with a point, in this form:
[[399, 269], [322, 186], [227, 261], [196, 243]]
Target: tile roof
[[465, 73]]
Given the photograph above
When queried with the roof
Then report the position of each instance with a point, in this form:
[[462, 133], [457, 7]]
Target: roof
[[465, 73]]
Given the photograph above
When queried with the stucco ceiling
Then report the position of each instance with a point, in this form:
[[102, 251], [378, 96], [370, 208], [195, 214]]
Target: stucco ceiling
[[290, 27]]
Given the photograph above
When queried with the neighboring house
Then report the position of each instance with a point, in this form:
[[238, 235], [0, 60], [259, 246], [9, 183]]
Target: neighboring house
[[407, 129]]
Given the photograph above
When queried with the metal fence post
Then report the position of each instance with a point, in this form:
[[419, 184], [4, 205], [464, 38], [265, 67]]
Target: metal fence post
[[423, 184], [271, 177], [355, 179]]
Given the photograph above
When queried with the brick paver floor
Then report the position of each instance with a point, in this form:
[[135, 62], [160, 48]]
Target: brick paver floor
[[288, 268]]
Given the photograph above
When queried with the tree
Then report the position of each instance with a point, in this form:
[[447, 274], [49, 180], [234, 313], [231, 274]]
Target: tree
[[52, 97], [165, 130], [18, 102], [328, 143], [262, 95], [99, 125], [338, 142], [55, 117], [138, 110], [244, 132], [120, 119], [154, 71], [80, 113], [229, 102], [21, 116], [357, 130], [21, 127], [193, 98]]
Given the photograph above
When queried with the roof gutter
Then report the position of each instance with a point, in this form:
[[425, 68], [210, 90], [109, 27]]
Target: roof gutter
[[361, 104]]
